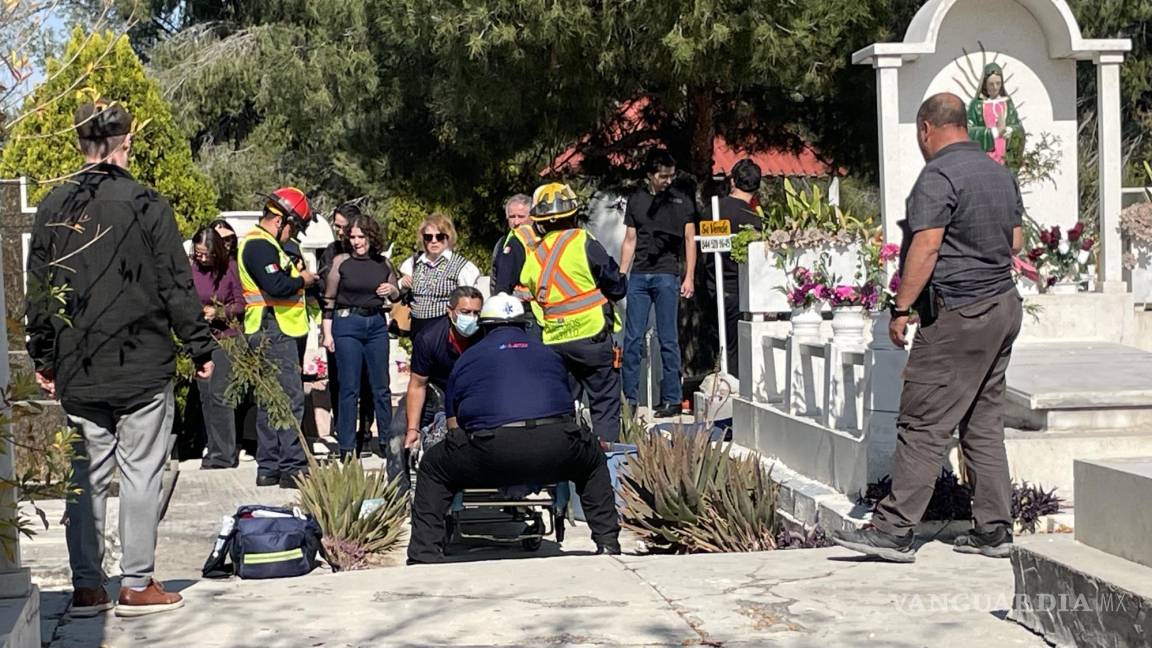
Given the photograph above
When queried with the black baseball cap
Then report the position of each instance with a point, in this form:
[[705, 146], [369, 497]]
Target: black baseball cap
[[97, 120]]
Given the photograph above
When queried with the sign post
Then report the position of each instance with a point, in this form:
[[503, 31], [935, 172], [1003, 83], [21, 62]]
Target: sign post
[[716, 237]]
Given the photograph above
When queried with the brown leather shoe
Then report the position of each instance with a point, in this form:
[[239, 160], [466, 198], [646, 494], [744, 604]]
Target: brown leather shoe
[[151, 600], [89, 601]]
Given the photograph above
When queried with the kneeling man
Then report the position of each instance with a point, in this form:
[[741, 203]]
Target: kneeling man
[[511, 421]]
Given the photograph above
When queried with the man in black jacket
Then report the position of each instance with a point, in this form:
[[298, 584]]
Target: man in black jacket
[[108, 286]]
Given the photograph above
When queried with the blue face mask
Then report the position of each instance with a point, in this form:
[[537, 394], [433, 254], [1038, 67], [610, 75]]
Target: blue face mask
[[467, 325]]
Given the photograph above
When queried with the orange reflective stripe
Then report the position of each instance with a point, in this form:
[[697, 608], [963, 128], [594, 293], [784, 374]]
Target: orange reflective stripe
[[258, 299], [548, 275], [575, 305]]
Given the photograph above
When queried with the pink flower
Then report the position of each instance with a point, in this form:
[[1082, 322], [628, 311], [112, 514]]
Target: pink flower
[[889, 251], [844, 293]]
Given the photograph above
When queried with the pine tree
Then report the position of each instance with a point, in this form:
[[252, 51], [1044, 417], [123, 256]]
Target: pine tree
[[43, 146]]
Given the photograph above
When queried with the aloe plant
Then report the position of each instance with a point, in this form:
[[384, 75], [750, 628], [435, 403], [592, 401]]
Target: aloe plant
[[685, 494], [335, 493]]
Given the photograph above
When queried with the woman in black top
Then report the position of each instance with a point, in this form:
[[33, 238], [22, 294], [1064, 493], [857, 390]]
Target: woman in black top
[[360, 289]]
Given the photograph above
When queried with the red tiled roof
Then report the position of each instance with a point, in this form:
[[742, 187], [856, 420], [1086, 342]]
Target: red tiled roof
[[773, 163]]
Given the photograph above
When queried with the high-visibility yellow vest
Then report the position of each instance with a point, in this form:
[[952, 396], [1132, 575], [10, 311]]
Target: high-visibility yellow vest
[[558, 280], [291, 312]]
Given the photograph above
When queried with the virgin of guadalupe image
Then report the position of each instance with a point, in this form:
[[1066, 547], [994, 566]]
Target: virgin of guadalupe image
[[992, 119]]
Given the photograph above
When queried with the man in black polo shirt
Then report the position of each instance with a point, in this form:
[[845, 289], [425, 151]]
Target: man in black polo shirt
[[964, 220], [434, 352], [737, 209], [659, 256]]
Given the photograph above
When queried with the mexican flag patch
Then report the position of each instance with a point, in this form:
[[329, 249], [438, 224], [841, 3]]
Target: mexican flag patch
[[272, 268]]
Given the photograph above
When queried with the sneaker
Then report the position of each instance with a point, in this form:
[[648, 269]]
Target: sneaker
[[89, 601], [289, 480], [874, 542], [151, 600], [611, 548], [267, 480], [996, 543], [667, 410]]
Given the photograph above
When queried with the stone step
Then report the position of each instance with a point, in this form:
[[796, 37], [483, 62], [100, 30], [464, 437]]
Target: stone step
[[1047, 458], [1113, 507], [1079, 386], [1074, 595]]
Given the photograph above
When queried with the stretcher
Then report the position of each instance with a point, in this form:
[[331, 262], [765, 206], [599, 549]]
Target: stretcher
[[525, 515]]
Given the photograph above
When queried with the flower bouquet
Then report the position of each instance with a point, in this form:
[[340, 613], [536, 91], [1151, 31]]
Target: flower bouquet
[[1062, 258], [806, 288]]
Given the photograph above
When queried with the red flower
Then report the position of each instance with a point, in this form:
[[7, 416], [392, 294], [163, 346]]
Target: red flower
[[1051, 281], [1054, 237], [1045, 237], [1086, 244], [1075, 232], [1035, 253]]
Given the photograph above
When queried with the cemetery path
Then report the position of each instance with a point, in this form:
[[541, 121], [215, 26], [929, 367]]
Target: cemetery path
[[796, 599]]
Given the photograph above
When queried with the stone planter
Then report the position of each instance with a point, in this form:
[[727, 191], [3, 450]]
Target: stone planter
[[848, 325], [1064, 288], [806, 323], [762, 277]]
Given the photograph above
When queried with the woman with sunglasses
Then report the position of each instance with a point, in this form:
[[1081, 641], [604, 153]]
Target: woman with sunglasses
[[217, 281], [430, 276], [360, 289], [227, 233]]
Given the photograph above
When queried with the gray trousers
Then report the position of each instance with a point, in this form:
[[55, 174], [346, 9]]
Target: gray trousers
[[955, 378], [219, 416], [137, 441]]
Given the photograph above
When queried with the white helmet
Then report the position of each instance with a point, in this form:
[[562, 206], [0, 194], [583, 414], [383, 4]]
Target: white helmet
[[502, 307]]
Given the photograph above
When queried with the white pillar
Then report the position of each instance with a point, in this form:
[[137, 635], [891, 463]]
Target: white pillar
[[888, 119], [14, 580], [1111, 169]]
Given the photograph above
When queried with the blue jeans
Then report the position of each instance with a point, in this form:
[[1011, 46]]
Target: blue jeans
[[644, 291], [360, 340]]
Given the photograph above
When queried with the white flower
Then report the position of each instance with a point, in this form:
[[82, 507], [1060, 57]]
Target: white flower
[[1063, 247], [1083, 256]]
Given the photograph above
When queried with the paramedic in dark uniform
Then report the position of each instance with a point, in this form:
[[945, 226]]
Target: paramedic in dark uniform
[[511, 422]]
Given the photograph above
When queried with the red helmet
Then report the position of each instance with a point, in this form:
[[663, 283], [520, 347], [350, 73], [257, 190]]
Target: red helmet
[[292, 204]]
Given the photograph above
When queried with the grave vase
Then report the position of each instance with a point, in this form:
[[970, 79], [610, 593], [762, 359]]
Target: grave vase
[[848, 325], [806, 323]]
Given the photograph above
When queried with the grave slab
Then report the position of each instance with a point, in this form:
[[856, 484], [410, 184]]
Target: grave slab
[[1112, 498], [1079, 386]]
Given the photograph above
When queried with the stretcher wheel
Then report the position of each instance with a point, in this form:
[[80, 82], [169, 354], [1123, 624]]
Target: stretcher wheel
[[531, 544]]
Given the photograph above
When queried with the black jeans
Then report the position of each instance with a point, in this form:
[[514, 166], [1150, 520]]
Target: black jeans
[[589, 363], [510, 457], [278, 450], [219, 416]]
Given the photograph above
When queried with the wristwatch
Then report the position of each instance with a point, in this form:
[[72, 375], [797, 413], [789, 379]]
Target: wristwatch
[[899, 312]]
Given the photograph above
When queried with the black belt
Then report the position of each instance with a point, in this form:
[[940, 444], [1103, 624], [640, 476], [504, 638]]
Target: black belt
[[533, 423], [359, 310]]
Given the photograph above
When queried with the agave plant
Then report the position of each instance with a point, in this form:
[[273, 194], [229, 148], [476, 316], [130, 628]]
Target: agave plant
[[685, 494], [1031, 502], [361, 512], [633, 426]]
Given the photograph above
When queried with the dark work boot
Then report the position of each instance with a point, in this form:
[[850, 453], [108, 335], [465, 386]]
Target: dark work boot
[[608, 546], [874, 542], [267, 480], [994, 543]]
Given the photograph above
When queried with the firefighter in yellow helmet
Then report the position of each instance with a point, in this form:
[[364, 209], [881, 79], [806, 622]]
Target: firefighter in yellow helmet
[[572, 283], [276, 316]]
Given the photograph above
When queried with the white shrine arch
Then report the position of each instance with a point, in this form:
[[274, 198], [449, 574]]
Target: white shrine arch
[[1042, 41]]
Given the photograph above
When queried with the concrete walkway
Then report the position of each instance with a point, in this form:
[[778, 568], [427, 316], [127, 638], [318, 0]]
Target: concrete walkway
[[800, 598]]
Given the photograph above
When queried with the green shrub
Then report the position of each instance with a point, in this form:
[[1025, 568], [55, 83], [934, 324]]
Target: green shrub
[[335, 494], [43, 146], [685, 494]]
